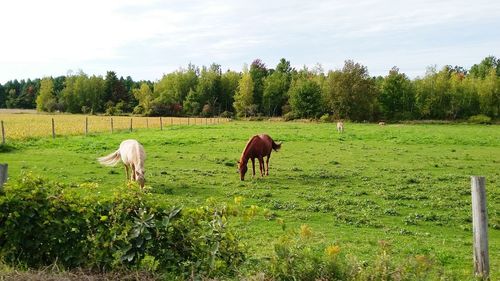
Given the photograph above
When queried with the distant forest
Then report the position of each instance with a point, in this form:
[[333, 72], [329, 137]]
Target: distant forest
[[449, 93]]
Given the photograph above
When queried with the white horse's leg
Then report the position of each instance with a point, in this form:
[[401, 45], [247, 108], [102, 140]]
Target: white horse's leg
[[133, 178], [126, 171]]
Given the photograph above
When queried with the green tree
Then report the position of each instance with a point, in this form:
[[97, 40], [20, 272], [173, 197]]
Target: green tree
[[350, 93], [284, 66], [305, 98], [258, 71], [209, 90], [46, 100], [229, 86], [489, 94], [276, 87], [69, 99], [83, 94], [115, 93], [243, 100], [192, 104], [145, 97], [29, 91], [397, 98], [173, 88], [482, 69], [464, 101], [433, 94]]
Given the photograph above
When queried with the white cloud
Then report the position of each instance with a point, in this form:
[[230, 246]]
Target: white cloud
[[147, 38]]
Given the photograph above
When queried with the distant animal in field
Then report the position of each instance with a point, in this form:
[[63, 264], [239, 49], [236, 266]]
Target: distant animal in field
[[381, 123], [132, 155], [340, 126], [259, 146]]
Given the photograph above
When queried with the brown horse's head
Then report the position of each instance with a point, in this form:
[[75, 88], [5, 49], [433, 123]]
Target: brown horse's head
[[242, 167]]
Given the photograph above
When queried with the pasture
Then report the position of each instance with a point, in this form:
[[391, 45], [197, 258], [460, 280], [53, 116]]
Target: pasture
[[407, 185]]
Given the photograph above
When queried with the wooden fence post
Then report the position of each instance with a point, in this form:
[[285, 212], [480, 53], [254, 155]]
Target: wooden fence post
[[53, 129], [161, 124], [188, 120], [480, 227], [3, 174], [86, 126], [111, 123], [130, 124], [3, 134], [171, 121], [147, 123]]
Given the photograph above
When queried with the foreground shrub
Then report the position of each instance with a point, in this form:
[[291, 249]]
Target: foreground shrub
[[43, 223]]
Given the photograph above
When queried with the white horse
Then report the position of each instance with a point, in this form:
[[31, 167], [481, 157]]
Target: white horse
[[340, 126], [132, 155]]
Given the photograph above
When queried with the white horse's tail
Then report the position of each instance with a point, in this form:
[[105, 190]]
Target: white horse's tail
[[110, 160]]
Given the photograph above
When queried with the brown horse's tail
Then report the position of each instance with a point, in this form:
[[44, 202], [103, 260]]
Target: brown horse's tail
[[276, 146]]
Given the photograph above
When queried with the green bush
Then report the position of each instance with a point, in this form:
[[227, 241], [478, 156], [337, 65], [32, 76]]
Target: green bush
[[43, 222], [227, 114], [290, 116], [480, 119], [325, 118]]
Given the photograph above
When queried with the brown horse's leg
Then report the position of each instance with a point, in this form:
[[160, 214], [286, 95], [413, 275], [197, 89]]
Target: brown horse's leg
[[253, 167], [267, 164], [261, 166]]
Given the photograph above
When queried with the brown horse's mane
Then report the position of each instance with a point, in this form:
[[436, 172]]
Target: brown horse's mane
[[247, 147]]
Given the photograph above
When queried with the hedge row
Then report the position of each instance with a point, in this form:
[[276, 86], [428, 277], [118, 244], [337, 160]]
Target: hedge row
[[41, 222]]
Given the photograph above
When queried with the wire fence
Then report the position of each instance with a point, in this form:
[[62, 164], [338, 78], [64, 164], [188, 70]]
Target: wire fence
[[23, 126]]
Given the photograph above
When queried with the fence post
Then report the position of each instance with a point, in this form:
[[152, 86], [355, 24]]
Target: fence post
[[53, 129], [147, 123], [130, 124], [161, 124], [3, 134], [111, 122], [3, 174], [171, 121], [188, 120], [480, 227], [86, 126]]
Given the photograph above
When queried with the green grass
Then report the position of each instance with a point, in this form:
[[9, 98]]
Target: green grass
[[406, 184]]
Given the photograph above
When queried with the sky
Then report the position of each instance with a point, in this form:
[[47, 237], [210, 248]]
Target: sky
[[146, 39]]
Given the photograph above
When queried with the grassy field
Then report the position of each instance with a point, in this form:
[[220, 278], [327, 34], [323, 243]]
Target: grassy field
[[408, 185]]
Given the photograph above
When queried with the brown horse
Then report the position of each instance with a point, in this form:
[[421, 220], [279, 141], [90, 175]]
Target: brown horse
[[258, 147]]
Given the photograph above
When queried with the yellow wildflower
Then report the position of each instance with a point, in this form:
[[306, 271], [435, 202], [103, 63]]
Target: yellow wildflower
[[238, 200], [305, 231], [332, 251]]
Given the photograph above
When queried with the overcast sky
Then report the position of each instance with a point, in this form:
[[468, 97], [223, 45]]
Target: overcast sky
[[147, 38]]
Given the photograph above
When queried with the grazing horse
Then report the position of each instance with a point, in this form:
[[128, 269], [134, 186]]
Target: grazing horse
[[381, 123], [132, 155], [258, 147], [340, 126]]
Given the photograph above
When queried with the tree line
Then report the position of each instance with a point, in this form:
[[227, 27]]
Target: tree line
[[349, 93]]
